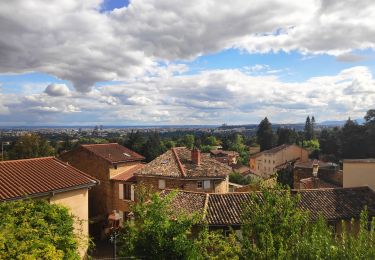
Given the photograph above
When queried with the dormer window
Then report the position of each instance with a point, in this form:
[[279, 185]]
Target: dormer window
[[127, 155]]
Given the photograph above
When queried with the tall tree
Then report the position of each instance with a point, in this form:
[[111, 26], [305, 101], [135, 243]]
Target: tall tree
[[313, 124], [153, 147], [31, 146], [370, 132], [286, 136], [307, 129], [135, 141], [352, 140], [265, 134]]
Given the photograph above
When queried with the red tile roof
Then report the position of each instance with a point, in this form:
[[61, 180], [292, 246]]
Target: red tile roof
[[333, 204], [177, 163], [128, 174], [113, 152], [39, 176]]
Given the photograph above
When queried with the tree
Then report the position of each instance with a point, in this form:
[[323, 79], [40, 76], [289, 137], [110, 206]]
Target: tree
[[370, 132], [158, 232], [265, 134], [31, 146], [307, 129], [286, 136], [35, 229], [313, 124], [188, 141], [352, 140], [153, 147], [135, 141]]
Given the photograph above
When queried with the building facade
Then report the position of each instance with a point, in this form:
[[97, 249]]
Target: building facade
[[359, 172], [265, 163], [53, 180]]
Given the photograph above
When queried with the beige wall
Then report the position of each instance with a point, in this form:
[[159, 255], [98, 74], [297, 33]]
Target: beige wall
[[358, 174], [122, 168], [217, 186], [77, 202], [264, 164]]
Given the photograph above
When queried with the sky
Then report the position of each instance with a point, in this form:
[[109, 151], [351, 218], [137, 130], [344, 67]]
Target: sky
[[164, 62]]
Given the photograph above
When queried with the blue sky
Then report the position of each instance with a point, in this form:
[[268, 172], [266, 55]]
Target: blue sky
[[158, 62]]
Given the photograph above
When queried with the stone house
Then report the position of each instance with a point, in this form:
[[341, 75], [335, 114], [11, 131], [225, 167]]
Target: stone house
[[224, 211], [50, 179], [328, 174], [266, 163], [227, 157], [184, 169], [113, 165]]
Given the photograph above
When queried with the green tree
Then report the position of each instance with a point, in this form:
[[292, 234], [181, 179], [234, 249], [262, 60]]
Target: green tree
[[135, 141], [35, 229], [272, 225], [265, 134], [307, 129], [188, 141], [153, 147], [158, 232], [370, 132], [352, 140], [286, 136], [313, 125], [31, 146]]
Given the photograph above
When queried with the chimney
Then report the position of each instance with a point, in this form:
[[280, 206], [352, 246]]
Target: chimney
[[196, 156], [315, 167]]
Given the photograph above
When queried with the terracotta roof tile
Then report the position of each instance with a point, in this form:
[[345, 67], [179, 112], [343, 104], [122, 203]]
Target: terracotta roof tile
[[333, 204], [177, 163], [28, 177], [113, 152]]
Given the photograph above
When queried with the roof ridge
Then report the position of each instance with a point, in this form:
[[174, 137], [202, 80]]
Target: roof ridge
[[336, 188], [98, 144], [180, 166], [28, 159]]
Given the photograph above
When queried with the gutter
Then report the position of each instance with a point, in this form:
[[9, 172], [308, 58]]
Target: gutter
[[52, 192]]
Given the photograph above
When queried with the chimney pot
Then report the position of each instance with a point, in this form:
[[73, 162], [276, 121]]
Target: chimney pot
[[196, 156]]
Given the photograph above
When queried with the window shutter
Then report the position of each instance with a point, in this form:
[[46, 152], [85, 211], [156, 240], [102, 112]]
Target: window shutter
[[132, 192], [121, 191], [207, 184]]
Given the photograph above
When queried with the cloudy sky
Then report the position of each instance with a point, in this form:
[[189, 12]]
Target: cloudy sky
[[158, 62]]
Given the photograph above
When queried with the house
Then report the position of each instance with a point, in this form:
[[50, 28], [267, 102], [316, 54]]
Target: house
[[328, 173], [51, 179], [227, 157], [266, 163], [224, 211], [114, 166], [185, 169], [359, 172]]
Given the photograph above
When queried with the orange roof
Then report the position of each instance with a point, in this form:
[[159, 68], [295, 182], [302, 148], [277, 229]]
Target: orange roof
[[38, 177], [128, 174], [113, 152]]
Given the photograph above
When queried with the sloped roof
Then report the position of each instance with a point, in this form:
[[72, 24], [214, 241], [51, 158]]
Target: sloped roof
[[177, 162], [223, 152], [128, 174], [274, 150], [187, 201], [334, 204], [33, 177], [113, 152]]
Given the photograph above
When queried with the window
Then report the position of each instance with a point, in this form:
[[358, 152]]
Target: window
[[200, 184], [161, 184], [126, 191], [207, 184], [269, 161], [273, 161]]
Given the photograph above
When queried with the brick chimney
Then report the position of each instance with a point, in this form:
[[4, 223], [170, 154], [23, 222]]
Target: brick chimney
[[196, 156]]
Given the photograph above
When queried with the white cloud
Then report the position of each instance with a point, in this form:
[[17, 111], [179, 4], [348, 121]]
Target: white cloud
[[72, 40], [57, 90]]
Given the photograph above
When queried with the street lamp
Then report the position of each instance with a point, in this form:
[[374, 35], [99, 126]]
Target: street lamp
[[114, 219]]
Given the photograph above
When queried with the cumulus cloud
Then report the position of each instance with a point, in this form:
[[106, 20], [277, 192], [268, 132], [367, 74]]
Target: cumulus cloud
[[57, 90], [74, 41], [213, 96]]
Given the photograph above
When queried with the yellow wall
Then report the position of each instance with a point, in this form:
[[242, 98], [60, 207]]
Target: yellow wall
[[122, 168], [358, 174], [77, 202]]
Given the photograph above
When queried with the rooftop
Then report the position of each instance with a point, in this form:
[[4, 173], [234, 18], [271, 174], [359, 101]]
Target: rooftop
[[38, 176], [274, 150], [177, 162], [368, 160], [309, 164], [113, 152], [128, 174], [333, 204], [223, 152]]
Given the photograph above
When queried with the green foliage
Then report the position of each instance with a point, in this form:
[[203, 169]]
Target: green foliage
[[211, 141], [215, 245], [286, 136], [272, 224], [153, 147], [265, 135], [188, 141], [31, 146], [92, 140], [311, 145], [276, 228], [36, 229], [235, 177], [157, 232], [206, 148], [135, 141]]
